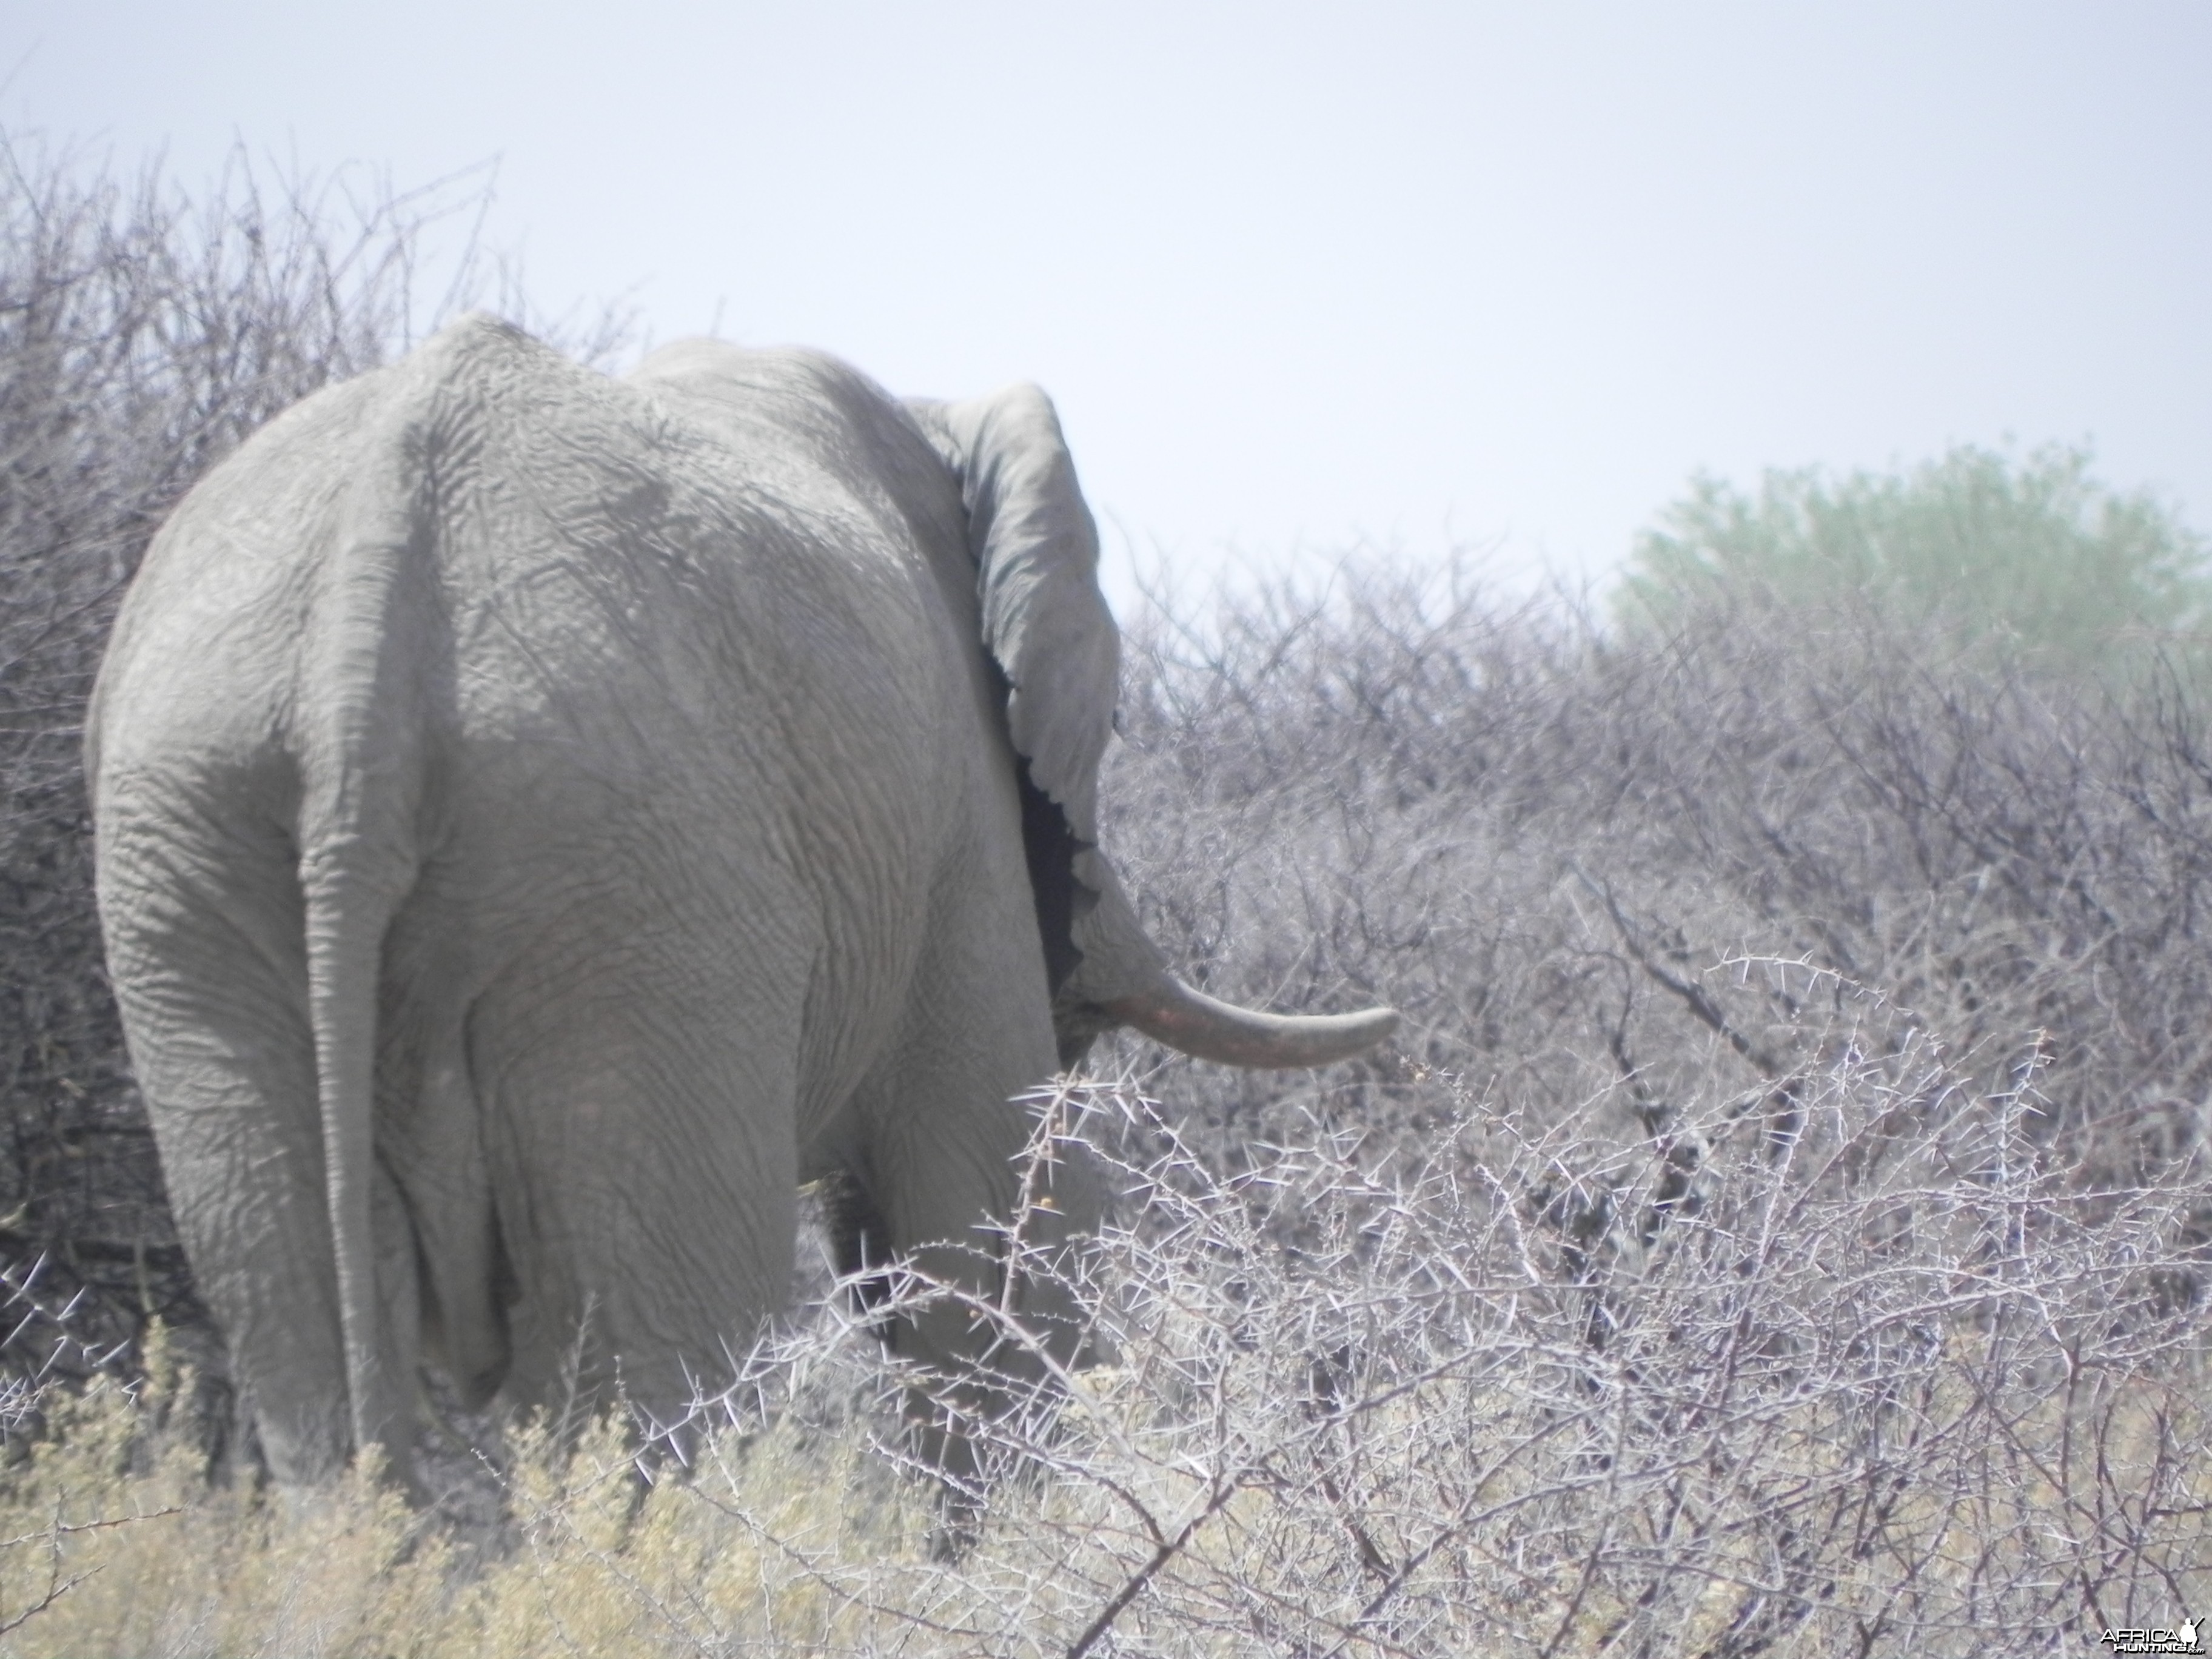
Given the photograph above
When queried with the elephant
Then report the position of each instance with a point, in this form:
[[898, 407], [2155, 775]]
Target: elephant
[[543, 819]]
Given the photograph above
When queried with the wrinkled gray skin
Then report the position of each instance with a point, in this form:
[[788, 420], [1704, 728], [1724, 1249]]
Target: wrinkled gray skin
[[545, 819]]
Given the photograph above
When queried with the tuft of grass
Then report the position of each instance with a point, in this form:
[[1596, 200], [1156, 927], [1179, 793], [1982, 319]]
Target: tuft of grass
[[116, 1543]]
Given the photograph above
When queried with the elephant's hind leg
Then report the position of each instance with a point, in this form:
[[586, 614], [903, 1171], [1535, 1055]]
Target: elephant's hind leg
[[945, 1128], [644, 1169], [205, 952]]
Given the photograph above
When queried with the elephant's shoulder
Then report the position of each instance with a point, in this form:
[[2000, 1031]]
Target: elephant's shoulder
[[834, 425]]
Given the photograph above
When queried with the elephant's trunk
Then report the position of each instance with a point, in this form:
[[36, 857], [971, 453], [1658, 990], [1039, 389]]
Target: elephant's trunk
[[1170, 1011]]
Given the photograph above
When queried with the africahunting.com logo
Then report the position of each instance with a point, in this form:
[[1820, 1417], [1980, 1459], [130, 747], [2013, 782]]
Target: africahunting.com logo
[[2183, 1638]]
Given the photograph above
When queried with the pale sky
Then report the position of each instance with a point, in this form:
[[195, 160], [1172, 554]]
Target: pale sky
[[1302, 278]]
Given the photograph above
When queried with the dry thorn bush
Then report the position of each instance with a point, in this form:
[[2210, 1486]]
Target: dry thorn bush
[[1888, 1384]]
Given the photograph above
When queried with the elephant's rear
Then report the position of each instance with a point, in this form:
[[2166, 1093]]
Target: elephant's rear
[[196, 773], [260, 751], [459, 690]]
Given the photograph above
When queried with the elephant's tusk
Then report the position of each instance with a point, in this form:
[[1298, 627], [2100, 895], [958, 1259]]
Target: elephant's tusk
[[1200, 1025]]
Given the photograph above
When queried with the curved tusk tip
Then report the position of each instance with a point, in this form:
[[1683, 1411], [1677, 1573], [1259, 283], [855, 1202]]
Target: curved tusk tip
[[1378, 1022], [1357, 1032]]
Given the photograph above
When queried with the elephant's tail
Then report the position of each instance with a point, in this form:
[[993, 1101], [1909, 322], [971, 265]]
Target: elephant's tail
[[359, 736], [342, 916]]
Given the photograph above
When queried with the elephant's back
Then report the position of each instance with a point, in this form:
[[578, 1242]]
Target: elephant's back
[[706, 694], [670, 670], [647, 605], [600, 556]]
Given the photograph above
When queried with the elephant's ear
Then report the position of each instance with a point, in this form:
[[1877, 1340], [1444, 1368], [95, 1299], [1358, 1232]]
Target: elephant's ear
[[1045, 622], [1047, 626]]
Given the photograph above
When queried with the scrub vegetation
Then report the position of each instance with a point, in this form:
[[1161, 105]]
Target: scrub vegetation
[[2029, 560], [1782, 1224]]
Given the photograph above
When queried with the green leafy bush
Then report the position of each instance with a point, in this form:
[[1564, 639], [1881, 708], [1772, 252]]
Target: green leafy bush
[[2032, 556]]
